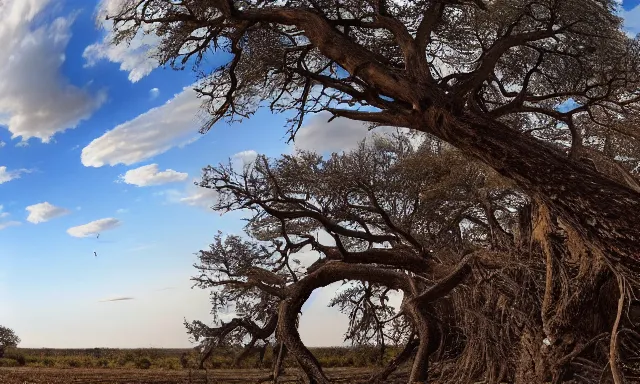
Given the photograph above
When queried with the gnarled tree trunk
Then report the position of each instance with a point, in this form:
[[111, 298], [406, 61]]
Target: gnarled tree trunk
[[602, 211]]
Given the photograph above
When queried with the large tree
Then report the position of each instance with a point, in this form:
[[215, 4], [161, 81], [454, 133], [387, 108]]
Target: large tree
[[485, 295], [544, 91]]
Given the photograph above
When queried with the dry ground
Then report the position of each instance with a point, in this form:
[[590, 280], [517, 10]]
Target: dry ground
[[30, 375]]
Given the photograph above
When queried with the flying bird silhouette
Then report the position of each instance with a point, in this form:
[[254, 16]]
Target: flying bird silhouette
[[95, 253]]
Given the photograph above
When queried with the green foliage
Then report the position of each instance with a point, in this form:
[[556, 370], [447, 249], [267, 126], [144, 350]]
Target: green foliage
[[143, 363], [73, 362], [168, 363], [12, 353], [8, 339], [5, 362]]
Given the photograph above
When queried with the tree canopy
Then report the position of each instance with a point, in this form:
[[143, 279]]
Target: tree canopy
[[529, 87], [8, 338], [484, 296]]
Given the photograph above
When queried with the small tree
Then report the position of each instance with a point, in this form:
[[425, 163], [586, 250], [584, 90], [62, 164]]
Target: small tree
[[8, 338]]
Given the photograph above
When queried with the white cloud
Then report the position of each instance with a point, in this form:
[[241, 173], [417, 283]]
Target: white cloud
[[2, 144], [8, 224], [244, 158], [149, 175], [122, 210], [135, 57], [42, 212], [201, 197], [154, 92], [341, 134], [193, 195], [94, 228], [2, 213], [149, 134], [189, 141], [36, 100], [6, 176]]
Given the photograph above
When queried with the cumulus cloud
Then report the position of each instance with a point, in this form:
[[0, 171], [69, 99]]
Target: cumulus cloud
[[149, 134], [244, 158], [94, 227], [149, 175], [42, 212], [154, 92], [135, 57], [36, 100], [6, 175]]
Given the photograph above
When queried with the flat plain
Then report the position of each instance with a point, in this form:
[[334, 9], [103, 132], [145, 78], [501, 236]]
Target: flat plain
[[38, 375]]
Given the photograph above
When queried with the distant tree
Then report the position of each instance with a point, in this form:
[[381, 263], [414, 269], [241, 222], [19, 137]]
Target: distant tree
[[8, 338], [543, 91], [486, 297]]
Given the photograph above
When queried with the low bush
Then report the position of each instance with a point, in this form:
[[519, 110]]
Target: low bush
[[143, 363], [5, 362]]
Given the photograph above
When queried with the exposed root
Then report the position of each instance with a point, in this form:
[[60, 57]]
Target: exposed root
[[618, 377]]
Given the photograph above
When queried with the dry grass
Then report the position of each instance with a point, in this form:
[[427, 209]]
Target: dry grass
[[119, 366], [170, 359], [30, 375]]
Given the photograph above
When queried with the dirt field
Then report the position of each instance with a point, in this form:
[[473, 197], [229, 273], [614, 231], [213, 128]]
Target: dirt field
[[28, 375]]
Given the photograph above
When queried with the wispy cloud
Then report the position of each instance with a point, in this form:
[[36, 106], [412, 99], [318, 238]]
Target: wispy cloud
[[115, 299], [94, 228], [141, 247], [9, 224], [149, 134], [6, 175]]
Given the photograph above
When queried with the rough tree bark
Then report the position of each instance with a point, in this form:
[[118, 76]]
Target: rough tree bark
[[603, 212]]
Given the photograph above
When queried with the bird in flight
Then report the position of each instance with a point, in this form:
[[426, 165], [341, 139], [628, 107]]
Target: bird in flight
[[95, 253], [97, 237]]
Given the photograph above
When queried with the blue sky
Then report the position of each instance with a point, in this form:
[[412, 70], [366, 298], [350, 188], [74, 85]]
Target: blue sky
[[77, 116]]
